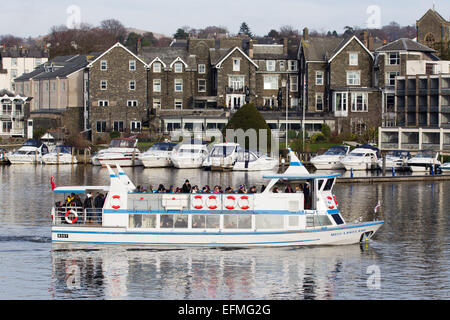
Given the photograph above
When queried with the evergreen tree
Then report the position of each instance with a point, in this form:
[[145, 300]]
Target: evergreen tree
[[181, 34], [245, 29]]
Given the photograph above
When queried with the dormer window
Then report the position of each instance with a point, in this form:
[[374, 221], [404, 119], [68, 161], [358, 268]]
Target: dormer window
[[178, 67], [157, 67]]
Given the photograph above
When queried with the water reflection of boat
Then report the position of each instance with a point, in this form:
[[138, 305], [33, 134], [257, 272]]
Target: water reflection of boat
[[117, 272], [309, 216]]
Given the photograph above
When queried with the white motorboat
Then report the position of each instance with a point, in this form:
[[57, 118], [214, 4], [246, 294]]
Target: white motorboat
[[396, 159], [310, 216], [222, 156], [122, 151], [331, 159], [361, 158], [158, 155], [61, 154], [30, 152], [188, 155], [254, 161], [445, 167], [424, 160]]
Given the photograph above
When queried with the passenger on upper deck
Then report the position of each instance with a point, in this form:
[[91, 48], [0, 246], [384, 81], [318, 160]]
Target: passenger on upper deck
[[161, 189], [186, 187]]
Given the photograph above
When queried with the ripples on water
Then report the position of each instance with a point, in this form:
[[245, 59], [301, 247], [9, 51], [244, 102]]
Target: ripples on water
[[411, 251]]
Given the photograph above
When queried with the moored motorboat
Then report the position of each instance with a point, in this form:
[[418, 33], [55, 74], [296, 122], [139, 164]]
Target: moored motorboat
[[122, 151], [61, 154], [248, 160], [31, 152], [396, 159], [310, 216], [361, 158], [331, 159], [189, 155], [424, 160], [158, 155], [445, 167], [222, 156]]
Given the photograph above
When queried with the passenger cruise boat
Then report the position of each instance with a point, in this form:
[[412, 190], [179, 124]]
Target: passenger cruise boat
[[424, 160], [158, 155], [169, 220], [361, 158], [61, 154], [331, 159], [121, 151], [190, 154], [30, 152]]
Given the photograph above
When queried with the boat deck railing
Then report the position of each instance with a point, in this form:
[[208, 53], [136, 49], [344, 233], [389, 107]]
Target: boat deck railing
[[77, 215]]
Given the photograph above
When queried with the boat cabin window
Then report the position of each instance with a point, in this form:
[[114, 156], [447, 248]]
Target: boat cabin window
[[336, 151], [337, 218], [174, 221], [206, 221], [313, 220], [119, 143], [246, 156], [329, 184], [142, 221], [269, 221], [224, 151], [234, 221]]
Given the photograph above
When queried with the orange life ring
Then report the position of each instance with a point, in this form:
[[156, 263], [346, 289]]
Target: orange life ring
[[330, 204], [66, 216], [198, 206], [244, 207], [116, 197], [231, 207], [212, 206]]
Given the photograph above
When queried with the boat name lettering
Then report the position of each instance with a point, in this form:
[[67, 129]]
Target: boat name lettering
[[347, 232], [62, 235]]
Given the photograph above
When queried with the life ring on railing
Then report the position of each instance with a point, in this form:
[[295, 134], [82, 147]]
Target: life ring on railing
[[330, 203], [208, 202], [116, 200], [52, 214], [245, 206], [66, 216], [231, 207], [335, 201], [196, 204]]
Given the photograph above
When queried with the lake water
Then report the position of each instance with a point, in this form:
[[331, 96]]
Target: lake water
[[407, 259]]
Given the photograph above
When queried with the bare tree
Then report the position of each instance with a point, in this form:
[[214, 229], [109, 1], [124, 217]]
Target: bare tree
[[115, 28]]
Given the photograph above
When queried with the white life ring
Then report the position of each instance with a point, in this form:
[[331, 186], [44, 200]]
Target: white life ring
[[66, 216], [244, 203], [197, 202], [230, 206], [211, 202], [330, 202]]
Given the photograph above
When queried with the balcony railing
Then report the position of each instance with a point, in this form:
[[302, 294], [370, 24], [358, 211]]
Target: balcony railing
[[234, 89]]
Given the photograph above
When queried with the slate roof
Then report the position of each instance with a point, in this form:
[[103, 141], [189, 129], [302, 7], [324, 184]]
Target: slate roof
[[404, 44], [27, 52], [168, 54], [321, 48], [62, 67]]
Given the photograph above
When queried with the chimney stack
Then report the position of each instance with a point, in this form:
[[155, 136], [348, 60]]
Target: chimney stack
[[138, 47], [365, 38], [250, 49], [370, 46], [285, 46], [305, 34]]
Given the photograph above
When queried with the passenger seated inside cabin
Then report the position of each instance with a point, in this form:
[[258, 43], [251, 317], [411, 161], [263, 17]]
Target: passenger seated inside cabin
[[275, 190], [181, 221], [298, 189], [289, 189], [307, 192]]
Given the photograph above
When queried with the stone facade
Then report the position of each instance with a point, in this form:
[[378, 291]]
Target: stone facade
[[117, 92], [431, 28]]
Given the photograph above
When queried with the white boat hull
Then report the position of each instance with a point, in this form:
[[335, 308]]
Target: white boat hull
[[187, 163], [258, 165], [24, 159], [156, 162], [358, 166], [63, 159], [347, 234], [420, 167], [123, 162], [328, 165]]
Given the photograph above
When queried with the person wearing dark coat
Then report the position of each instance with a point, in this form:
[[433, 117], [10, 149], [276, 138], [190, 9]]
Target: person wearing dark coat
[[186, 187]]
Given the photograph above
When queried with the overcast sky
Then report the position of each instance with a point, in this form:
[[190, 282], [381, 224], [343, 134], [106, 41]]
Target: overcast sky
[[25, 18]]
